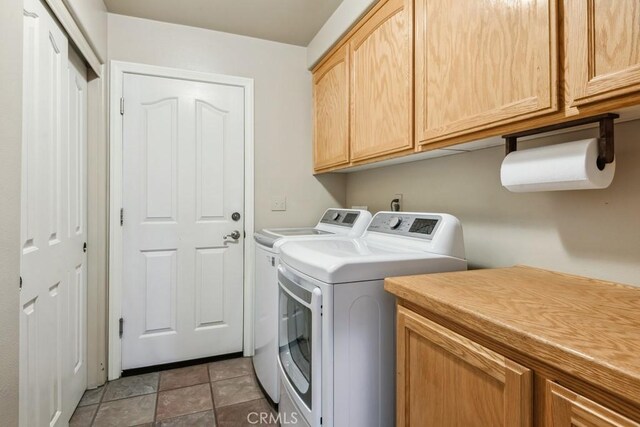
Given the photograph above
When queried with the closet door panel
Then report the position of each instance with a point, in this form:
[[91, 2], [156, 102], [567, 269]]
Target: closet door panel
[[53, 226]]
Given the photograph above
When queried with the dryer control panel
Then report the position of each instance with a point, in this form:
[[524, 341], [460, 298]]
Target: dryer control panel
[[405, 224], [341, 217]]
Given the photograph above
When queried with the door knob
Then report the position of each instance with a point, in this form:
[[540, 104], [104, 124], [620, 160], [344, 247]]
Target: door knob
[[235, 235]]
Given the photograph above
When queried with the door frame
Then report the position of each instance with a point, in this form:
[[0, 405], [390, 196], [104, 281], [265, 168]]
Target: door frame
[[118, 70]]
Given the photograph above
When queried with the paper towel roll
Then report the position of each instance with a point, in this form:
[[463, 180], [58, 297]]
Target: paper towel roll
[[568, 166]]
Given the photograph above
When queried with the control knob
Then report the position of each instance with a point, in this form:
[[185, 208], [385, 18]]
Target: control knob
[[394, 222], [335, 216]]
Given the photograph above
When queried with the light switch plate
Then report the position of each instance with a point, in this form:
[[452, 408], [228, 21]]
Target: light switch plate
[[279, 203]]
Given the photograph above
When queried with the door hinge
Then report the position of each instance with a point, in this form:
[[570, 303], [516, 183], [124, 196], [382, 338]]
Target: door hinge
[[273, 261], [84, 247], [121, 217], [121, 327], [20, 282], [122, 106]]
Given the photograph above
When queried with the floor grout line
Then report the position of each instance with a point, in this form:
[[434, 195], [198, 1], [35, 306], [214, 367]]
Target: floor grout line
[[95, 415], [236, 376], [213, 402], [185, 415], [128, 397], [179, 388], [155, 410], [242, 403]]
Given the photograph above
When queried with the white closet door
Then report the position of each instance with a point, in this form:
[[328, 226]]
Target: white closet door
[[75, 371], [183, 176], [52, 228]]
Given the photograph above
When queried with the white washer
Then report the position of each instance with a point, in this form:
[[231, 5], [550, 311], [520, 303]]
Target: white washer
[[337, 324], [333, 223]]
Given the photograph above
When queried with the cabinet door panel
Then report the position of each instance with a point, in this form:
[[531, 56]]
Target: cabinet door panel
[[381, 103], [481, 63], [568, 409], [445, 379], [602, 49], [331, 111]]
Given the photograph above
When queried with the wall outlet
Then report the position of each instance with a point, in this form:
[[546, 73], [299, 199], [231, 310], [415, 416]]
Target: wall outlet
[[279, 203], [399, 197]]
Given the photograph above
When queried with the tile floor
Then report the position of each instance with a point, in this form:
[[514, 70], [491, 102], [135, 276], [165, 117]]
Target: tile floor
[[221, 394]]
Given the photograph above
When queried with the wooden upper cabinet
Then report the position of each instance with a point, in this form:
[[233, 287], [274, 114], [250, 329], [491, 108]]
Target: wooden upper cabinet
[[482, 63], [602, 43], [569, 409], [445, 379], [381, 54], [442, 72], [331, 111]]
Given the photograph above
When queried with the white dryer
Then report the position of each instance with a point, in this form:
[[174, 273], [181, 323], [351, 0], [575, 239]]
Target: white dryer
[[333, 223], [337, 324]]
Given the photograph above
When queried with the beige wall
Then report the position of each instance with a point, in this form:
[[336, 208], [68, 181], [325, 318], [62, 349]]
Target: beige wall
[[593, 233], [91, 16], [10, 151], [283, 159]]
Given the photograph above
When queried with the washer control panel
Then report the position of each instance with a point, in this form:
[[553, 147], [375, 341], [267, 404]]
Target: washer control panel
[[341, 217], [411, 225]]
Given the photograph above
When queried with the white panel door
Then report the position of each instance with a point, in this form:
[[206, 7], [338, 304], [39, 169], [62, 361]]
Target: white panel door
[[53, 270], [183, 178], [75, 355]]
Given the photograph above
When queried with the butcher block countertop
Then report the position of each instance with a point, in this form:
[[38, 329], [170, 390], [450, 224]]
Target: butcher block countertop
[[585, 327]]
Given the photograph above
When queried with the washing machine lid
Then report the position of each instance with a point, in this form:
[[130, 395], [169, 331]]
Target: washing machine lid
[[343, 260], [283, 232], [346, 222], [268, 237]]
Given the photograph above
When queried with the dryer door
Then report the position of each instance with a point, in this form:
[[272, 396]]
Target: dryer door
[[296, 320], [299, 338]]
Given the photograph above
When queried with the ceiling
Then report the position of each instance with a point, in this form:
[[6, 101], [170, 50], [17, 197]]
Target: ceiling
[[286, 21]]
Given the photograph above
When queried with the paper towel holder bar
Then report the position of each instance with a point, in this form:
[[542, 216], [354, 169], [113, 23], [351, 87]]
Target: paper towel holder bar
[[605, 139]]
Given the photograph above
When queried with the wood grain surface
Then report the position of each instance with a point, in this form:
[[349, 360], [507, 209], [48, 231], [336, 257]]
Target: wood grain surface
[[480, 63], [602, 47], [567, 409], [532, 63], [445, 379], [331, 111], [587, 328], [382, 82]]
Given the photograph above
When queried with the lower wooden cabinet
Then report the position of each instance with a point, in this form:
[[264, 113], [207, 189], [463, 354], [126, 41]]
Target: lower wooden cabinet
[[445, 379], [569, 409]]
